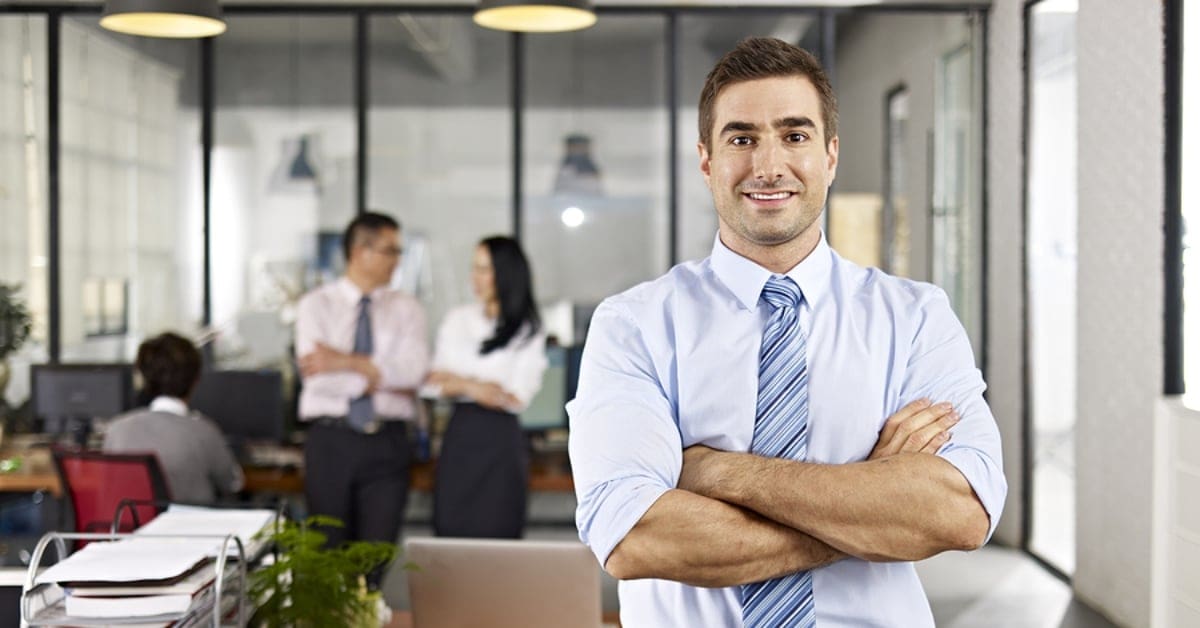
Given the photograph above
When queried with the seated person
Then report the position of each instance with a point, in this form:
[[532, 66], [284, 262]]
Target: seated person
[[195, 457]]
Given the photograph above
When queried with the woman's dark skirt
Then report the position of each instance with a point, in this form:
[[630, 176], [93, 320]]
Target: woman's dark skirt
[[482, 478]]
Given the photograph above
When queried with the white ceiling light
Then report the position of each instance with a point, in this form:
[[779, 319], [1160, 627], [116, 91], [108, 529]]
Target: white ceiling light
[[178, 19], [535, 16]]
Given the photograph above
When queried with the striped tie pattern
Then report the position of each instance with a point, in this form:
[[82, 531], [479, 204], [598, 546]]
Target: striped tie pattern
[[781, 431]]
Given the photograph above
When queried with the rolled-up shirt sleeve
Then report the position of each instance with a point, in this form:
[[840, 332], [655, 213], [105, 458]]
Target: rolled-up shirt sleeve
[[625, 445], [942, 368]]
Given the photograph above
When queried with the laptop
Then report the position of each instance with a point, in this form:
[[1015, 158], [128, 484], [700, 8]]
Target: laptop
[[463, 583]]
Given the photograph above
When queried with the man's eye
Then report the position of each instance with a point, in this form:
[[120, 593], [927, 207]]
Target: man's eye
[[796, 137], [741, 140]]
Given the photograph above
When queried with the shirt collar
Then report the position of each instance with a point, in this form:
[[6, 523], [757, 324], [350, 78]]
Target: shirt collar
[[746, 278], [170, 405], [352, 294]]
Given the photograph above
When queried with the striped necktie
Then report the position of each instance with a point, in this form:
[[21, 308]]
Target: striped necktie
[[781, 431], [362, 414]]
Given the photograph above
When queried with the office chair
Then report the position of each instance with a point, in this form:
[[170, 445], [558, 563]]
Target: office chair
[[98, 482]]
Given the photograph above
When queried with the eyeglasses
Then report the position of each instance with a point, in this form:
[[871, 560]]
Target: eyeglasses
[[390, 251]]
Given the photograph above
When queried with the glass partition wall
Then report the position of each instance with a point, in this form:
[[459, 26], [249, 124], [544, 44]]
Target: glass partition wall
[[1051, 245], [439, 145], [283, 175], [130, 220], [583, 145], [24, 242], [594, 218]]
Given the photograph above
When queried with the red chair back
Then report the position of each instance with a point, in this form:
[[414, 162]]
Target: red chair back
[[97, 483]]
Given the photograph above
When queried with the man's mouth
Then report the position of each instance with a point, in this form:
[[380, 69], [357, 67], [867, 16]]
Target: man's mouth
[[769, 196]]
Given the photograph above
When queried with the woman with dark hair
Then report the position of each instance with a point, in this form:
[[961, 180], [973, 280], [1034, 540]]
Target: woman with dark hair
[[194, 455], [490, 358]]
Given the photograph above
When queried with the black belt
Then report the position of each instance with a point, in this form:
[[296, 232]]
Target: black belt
[[373, 427]]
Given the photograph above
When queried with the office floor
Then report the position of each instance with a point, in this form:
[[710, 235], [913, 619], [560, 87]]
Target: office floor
[[993, 588]]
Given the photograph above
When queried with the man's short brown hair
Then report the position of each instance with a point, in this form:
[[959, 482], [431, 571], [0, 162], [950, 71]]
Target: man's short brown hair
[[759, 58], [170, 365]]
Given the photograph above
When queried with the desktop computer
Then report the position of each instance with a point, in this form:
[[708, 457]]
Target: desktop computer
[[67, 398], [247, 405]]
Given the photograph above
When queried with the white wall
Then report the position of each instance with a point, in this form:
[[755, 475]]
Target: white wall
[[1120, 299], [1177, 517]]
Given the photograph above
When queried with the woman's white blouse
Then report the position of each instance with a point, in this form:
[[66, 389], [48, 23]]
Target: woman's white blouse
[[517, 367]]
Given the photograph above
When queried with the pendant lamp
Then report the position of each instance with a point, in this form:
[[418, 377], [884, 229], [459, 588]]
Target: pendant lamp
[[535, 16], [164, 18]]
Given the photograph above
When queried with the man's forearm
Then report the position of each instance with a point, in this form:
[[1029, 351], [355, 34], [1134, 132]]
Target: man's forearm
[[704, 542], [904, 507]]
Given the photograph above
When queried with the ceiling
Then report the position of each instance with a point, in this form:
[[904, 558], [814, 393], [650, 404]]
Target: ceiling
[[602, 3]]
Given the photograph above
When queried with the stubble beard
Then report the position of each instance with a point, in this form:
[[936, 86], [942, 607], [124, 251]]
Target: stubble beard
[[771, 231]]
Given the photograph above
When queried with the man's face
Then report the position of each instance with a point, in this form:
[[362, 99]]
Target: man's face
[[377, 256], [768, 170]]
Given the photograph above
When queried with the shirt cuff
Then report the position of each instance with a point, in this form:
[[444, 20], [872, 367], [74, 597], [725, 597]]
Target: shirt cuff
[[985, 478], [620, 505]]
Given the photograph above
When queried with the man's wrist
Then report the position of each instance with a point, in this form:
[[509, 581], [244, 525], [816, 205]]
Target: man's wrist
[[733, 476]]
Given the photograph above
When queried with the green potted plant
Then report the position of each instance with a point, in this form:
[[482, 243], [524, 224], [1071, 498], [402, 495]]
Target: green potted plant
[[310, 585], [15, 324]]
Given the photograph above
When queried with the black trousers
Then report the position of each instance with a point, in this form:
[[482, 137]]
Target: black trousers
[[361, 479]]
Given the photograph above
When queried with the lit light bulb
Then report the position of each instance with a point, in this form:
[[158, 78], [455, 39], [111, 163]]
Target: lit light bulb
[[572, 217]]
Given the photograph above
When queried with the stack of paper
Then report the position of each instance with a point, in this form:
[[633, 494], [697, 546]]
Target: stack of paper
[[163, 572], [195, 521]]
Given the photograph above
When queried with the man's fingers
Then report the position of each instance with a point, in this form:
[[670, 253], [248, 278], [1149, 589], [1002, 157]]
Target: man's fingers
[[923, 419], [922, 438], [893, 423], [936, 443]]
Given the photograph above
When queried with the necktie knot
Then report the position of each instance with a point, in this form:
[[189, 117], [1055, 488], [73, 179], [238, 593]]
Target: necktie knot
[[782, 292], [364, 302]]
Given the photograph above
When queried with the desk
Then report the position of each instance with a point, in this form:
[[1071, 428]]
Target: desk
[[548, 471], [36, 473]]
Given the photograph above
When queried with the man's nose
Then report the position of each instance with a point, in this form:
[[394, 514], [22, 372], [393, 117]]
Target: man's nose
[[768, 162]]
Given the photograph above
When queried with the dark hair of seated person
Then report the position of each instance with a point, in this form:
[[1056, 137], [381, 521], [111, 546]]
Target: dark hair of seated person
[[170, 365]]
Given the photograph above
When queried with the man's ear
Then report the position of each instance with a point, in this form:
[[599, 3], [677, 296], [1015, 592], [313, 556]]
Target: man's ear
[[705, 166], [832, 156]]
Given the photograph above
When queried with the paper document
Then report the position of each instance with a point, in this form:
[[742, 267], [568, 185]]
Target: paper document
[[139, 606], [130, 560], [191, 520], [202, 576]]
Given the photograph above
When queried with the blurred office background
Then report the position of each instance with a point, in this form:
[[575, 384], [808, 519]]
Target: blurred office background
[[1021, 155]]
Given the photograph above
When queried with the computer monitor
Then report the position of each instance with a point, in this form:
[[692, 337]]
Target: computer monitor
[[67, 397], [247, 405], [547, 410]]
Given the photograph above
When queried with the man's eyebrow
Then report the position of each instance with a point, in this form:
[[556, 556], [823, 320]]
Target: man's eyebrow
[[738, 126], [795, 121]]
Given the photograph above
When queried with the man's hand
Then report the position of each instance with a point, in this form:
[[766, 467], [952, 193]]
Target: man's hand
[[700, 472], [918, 427], [322, 359], [326, 359]]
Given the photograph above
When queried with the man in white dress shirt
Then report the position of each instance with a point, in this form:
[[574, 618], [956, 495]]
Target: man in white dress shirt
[[889, 454], [363, 351]]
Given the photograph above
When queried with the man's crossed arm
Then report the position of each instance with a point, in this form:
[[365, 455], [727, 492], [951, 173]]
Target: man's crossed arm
[[737, 518]]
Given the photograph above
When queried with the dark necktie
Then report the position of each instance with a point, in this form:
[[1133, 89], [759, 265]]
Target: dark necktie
[[362, 415]]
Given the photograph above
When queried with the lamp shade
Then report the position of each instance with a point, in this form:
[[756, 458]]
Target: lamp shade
[[164, 18], [535, 16]]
